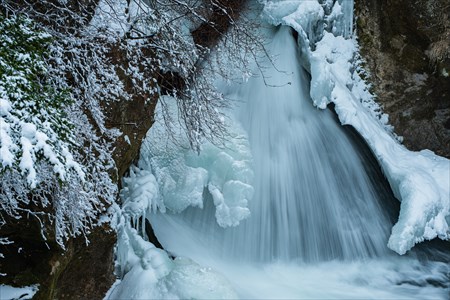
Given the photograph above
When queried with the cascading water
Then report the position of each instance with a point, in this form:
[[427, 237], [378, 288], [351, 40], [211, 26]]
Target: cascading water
[[313, 200], [315, 212]]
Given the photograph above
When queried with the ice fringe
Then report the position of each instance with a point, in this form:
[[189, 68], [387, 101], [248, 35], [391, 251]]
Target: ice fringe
[[420, 180]]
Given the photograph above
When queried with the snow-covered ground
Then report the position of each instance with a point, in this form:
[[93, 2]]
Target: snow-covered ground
[[10, 293]]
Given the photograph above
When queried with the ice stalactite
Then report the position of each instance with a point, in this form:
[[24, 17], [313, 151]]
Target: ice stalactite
[[147, 272], [171, 177]]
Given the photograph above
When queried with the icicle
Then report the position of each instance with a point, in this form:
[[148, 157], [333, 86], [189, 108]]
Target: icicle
[[144, 235], [347, 9]]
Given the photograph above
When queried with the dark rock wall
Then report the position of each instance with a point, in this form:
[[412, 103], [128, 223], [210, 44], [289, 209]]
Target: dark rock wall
[[132, 117], [406, 46], [86, 270]]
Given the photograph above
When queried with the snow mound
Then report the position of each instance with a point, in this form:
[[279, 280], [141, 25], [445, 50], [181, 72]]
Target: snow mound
[[183, 176], [420, 180]]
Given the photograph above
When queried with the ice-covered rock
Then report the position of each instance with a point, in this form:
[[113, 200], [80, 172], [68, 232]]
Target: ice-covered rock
[[147, 272]]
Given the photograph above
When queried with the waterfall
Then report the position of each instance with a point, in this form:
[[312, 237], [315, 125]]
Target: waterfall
[[316, 217], [294, 204], [313, 200]]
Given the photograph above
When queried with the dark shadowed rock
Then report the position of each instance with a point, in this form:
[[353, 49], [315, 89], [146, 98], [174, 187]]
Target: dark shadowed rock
[[406, 46], [89, 273]]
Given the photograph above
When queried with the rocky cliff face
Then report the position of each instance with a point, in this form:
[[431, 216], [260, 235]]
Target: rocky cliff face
[[406, 46]]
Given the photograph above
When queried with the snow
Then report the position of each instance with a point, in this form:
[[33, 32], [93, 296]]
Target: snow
[[7, 146], [182, 175], [24, 131], [9, 293], [191, 281], [420, 180], [103, 16], [5, 107], [127, 139], [159, 277]]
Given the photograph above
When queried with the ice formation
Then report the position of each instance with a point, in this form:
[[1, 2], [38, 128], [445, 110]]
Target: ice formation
[[10, 293], [183, 175], [147, 272], [170, 176], [420, 180]]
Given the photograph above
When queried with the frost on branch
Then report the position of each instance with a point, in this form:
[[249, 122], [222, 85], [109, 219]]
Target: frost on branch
[[96, 53], [33, 123], [44, 162], [171, 41], [182, 177]]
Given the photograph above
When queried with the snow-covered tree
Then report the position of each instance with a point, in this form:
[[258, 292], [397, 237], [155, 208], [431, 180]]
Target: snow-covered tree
[[76, 57], [34, 124], [44, 163]]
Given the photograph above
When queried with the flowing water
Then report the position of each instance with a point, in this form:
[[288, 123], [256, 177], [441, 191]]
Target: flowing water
[[318, 226]]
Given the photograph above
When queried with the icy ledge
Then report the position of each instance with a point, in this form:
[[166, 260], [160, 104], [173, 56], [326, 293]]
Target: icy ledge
[[420, 180]]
